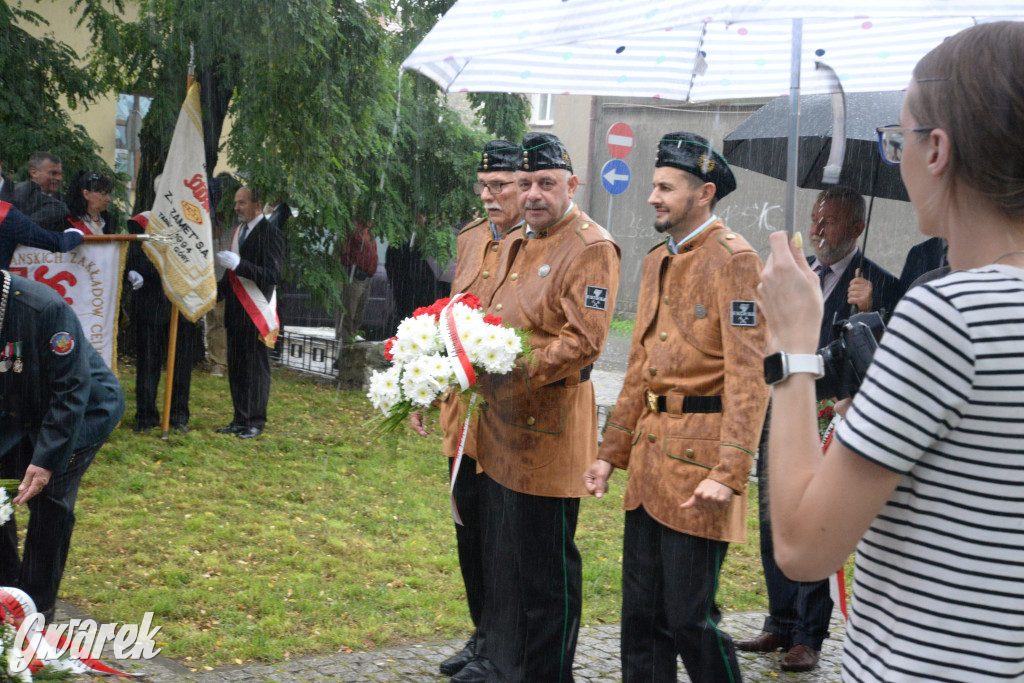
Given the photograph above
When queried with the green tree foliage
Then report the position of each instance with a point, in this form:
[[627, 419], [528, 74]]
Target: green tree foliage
[[37, 76], [318, 113]]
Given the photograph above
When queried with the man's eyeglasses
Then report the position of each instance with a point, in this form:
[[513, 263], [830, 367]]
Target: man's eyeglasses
[[494, 188], [891, 139]]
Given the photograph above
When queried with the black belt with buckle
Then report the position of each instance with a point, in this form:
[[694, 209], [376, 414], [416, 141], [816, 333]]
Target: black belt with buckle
[[691, 404], [584, 376]]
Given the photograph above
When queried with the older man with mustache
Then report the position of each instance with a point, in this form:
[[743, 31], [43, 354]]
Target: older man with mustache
[[558, 277], [476, 268]]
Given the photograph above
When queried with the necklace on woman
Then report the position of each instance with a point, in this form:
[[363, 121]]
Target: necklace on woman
[[1009, 253]]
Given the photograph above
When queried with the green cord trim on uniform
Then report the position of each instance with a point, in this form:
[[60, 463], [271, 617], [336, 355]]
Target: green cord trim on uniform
[[639, 433], [745, 450], [565, 585], [727, 247], [621, 429], [692, 462], [711, 622]]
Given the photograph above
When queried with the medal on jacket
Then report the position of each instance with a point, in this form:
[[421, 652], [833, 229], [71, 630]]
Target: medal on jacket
[[5, 359], [18, 365]]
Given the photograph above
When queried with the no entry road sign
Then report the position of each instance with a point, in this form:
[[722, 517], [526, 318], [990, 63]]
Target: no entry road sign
[[620, 140]]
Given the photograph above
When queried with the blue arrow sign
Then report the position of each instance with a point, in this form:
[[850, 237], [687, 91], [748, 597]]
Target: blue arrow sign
[[615, 176]]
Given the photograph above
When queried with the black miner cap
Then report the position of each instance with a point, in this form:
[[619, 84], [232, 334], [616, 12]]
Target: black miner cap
[[500, 155], [543, 151], [693, 154]]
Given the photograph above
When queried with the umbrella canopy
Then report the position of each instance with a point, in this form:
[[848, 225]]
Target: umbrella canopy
[[695, 50], [760, 143]]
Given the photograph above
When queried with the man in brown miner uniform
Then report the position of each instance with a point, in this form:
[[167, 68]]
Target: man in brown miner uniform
[[537, 430], [687, 422], [476, 269]]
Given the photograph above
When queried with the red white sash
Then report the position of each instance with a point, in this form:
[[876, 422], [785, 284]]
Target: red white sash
[[262, 312], [79, 224]]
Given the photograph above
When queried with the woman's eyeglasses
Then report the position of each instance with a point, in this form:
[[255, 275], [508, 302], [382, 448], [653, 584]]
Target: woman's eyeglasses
[[891, 139]]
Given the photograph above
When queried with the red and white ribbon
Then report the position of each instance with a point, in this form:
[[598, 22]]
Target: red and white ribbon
[[457, 356], [46, 647], [464, 372]]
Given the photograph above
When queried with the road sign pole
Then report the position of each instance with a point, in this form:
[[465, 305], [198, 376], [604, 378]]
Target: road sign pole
[[611, 205]]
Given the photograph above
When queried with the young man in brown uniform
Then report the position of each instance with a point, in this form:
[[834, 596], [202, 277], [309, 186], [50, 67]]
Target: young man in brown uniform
[[476, 271], [687, 421], [538, 426]]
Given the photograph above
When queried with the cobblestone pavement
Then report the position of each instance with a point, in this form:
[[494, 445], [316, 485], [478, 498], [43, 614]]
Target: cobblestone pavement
[[597, 661]]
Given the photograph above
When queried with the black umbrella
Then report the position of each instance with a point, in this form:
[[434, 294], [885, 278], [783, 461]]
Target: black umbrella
[[760, 143]]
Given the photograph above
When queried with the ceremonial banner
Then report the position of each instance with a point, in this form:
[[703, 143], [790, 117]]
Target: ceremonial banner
[[89, 279], [181, 213]]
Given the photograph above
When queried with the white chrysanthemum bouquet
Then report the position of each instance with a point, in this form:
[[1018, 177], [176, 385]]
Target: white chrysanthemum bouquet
[[442, 345]]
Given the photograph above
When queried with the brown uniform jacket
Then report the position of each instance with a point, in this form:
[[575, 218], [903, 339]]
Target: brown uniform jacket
[[476, 272], [538, 432], [698, 332]]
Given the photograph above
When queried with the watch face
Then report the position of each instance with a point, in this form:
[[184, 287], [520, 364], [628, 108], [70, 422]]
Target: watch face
[[773, 368]]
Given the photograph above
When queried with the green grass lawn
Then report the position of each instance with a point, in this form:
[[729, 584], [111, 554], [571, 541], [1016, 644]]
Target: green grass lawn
[[309, 539]]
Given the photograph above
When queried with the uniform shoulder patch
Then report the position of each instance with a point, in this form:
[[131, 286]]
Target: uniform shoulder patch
[[62, 343], [596, 298], [744, 313]]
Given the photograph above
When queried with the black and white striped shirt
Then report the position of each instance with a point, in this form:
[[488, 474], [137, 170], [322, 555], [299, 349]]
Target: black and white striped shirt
[[939, 582]]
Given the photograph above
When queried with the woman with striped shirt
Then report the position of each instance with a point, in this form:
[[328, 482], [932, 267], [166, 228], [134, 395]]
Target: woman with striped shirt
[[926, 475]]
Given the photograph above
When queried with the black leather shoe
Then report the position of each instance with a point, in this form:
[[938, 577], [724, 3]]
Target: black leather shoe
[[180, 428], [800, 658], [248, 432], [764, 642], [479, 670], [230, 429], [458, 661]]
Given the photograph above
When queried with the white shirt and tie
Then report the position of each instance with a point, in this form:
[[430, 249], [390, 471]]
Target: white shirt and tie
[[832, 274]]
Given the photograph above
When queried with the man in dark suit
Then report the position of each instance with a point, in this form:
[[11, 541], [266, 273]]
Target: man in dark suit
[[58, 404], [922, 258], [38, 197], [151, 316], [799, 612], [252, 270]]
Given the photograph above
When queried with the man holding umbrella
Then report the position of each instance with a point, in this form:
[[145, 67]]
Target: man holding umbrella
[[799, 612], [686, 422]]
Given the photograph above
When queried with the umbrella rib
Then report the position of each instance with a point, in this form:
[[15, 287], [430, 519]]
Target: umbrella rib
[[696, 60]]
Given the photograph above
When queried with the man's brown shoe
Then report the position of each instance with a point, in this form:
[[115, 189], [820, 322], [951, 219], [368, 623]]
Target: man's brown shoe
[[800, 658], [763, 642]]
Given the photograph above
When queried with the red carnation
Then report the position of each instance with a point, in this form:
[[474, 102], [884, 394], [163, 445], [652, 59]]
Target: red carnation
[[388, 356], [422, 310], [492, 320], [470, 300]]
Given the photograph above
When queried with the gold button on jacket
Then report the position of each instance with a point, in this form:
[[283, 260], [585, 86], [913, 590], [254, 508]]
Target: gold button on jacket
[[701, 356], [548, 456]]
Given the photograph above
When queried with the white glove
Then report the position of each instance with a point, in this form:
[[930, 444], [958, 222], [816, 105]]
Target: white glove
[[135, 279], [75, 230], [228, 260]]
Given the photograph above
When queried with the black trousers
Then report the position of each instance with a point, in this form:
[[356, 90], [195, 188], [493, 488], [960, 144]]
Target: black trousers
[[468, 536], [248, 375], [669, 581], [50, 523], [533, 584], [151, 355], [797, 610]]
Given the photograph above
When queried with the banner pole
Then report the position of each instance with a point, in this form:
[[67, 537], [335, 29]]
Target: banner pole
[[172, 347]]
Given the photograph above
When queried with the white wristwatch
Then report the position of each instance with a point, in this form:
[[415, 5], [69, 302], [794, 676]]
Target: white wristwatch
[[780, 365]]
